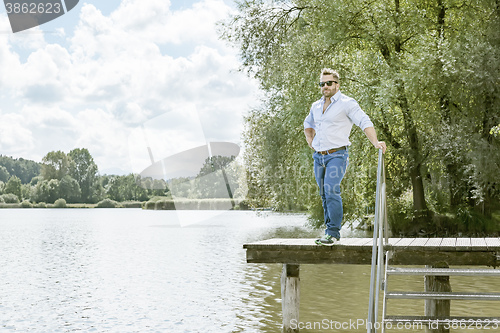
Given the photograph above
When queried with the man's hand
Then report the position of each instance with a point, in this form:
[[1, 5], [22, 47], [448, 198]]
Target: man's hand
[[372, 136], [381, 145]]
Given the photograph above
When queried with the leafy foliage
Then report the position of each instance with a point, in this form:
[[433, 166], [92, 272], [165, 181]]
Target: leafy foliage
[[84, 170], [107, 203], [426, 72], [55, 165], [13, 186], [73, 177], [9, 198], [219, 177], [21, 168], [60, 203]]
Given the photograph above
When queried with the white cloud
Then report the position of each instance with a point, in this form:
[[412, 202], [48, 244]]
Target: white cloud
[[116, 75], [15, 138], [29, 40], [155, 21]]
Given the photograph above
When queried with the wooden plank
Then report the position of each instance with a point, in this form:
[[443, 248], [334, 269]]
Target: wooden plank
[[368, 242], [352, 241], [271, 242], [347, 255], [478, 244], [463, 244], [390, 244], [404, 242], [433, 244], [453, 258], [398, 241], [475, 244], [291, 241], [359, 244], [297, 242], [394, 240], [320, 255], [493, 243], [307, 241], [418, 243], [448, 244]]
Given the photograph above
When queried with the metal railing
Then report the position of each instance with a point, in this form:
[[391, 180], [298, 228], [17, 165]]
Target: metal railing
[[380, 236]]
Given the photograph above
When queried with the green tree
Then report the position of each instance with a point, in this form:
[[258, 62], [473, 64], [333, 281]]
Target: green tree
[[40, 191], [4, 174], [159, 187], [26, 191], [22, 168], [53, 190], [180, 187], [153, 187], [34, 181], [83, 168], [9, 198], [426, 72], [216, 179], [121, 188], [14, 186], [69, 189], [55, 165]]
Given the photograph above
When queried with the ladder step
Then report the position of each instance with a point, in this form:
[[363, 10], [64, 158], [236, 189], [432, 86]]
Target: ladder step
[[443, 295], [442, 271], [443, 320]]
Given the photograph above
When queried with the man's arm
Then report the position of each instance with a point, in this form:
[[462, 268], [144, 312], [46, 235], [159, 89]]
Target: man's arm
[[372, 136], [310, 133]]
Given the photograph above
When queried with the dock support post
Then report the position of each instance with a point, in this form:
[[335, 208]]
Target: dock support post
[[437, 308], [290, 297]]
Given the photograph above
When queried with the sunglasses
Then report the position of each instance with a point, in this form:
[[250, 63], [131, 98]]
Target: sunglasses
[[328, 83]]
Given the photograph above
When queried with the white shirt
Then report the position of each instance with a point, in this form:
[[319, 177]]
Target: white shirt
[[333, 127]]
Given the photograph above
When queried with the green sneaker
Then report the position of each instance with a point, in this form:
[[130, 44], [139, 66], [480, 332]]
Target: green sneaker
[[327, 240]]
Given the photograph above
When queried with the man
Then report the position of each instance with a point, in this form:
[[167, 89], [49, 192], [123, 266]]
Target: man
[[327, 129]]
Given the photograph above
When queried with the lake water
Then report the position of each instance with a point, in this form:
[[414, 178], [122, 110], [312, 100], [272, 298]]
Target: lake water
[[131, 270]]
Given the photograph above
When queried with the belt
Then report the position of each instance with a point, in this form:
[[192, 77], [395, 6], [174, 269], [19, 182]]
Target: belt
[[326, 152]]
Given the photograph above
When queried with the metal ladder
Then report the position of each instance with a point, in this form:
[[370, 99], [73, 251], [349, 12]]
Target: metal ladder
[[443, 295], [380, 272], [380, 236]]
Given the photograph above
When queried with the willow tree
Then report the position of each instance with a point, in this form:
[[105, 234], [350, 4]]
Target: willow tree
[[460, 75], [397, 58]]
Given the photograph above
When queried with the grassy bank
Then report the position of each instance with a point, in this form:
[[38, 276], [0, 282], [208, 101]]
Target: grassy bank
[[106, 203], [156, 203], [165, 203]]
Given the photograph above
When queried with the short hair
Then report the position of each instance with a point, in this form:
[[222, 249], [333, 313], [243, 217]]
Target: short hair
[[329, 71]]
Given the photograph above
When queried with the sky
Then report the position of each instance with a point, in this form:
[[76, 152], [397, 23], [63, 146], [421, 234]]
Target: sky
[[119, 76]]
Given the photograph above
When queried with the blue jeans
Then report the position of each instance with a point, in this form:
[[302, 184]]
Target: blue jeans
[[329, 171]]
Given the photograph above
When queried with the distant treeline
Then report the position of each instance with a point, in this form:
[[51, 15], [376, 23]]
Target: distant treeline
[[75, 178], [23, 169]]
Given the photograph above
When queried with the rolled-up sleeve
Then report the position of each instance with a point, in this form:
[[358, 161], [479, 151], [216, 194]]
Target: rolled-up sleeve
[[359, 117], [309, 121]]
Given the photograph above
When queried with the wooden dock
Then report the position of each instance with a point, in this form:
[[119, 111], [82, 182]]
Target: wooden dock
[[358, 251]]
